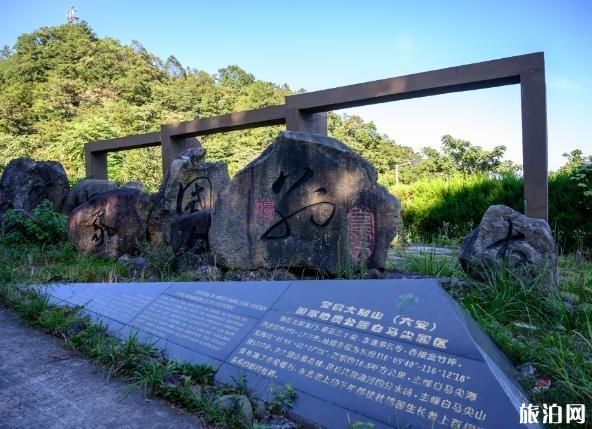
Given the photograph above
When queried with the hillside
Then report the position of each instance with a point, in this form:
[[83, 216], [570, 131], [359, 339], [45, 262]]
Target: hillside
[[63, 86]]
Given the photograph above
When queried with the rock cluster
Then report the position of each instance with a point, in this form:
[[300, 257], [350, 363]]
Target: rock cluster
[[307, 202]]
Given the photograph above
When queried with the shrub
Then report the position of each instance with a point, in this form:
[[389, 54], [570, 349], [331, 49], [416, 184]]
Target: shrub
[[42, 225], [456, 204]]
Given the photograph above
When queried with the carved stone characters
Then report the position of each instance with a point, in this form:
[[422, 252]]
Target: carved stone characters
[[507, 239], [307, 201], [111, 223], [191, 185]]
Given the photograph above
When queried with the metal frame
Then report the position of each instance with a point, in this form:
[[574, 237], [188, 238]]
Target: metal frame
[[307, 112]]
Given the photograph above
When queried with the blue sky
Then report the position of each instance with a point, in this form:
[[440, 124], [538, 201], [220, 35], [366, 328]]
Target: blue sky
[[322, 44]]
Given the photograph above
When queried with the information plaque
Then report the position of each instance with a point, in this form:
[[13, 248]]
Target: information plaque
[[387, 352]]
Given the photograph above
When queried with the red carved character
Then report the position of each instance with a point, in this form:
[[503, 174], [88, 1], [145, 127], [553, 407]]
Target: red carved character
[[264, 210], [361, 232]]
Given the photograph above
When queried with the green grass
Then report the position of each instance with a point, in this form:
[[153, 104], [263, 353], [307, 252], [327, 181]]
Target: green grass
[[426, 263], [438, 209]]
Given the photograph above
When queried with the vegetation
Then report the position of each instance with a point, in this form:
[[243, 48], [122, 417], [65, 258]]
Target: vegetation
[[42, 225], [450, 207], [282, 400], [62, 86]]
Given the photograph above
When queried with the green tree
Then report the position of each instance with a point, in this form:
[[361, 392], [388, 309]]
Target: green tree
[[460, 156], [575, 159]]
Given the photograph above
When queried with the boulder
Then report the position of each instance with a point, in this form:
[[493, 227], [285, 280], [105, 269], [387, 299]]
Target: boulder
[[506, 239], [307, 201], [207, 273], [26, 182], [111, 223], [191, 185], [190, 232], [189, 240], [133, 185], [135, 267], [84, 191]]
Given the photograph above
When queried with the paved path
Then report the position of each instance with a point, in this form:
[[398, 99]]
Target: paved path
[[43, 385]]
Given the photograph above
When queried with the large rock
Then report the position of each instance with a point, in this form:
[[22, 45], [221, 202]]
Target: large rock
[[84, 191], [506, 239], [26, 182], [191, 185], [111, 223], [134, 185], [189, 240], [307, 201], [190, 232]]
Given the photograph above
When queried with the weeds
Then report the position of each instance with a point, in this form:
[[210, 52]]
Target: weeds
[[423, 262], [42, 225], [282, 400]]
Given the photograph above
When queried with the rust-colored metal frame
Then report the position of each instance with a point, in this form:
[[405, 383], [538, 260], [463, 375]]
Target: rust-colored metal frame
[[307, 112]]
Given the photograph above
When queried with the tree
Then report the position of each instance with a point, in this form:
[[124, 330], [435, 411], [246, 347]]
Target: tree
[[365, 139], [63, 86], [173, 67], [575, 158], [460, 156], [5, 52]]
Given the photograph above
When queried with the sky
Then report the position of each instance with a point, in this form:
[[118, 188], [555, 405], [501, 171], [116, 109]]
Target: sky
[[323, 44]]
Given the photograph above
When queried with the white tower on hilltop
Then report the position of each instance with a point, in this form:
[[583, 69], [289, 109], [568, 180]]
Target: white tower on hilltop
[[71, 16]]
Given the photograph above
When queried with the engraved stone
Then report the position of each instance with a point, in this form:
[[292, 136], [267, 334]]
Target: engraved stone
[[507, 239], [191, 185], [111, 223], [307, 201], [391, 353]]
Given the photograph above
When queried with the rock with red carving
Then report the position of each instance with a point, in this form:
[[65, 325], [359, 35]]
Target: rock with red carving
[[308, 201]]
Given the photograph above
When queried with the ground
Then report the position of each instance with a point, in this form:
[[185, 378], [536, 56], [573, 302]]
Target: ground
[[44, 385]]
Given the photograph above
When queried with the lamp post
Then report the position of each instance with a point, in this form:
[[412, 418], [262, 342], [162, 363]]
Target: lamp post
[[412, 162]]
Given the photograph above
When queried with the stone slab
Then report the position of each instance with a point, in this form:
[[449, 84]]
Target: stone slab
[[117, 301], [387, 352]]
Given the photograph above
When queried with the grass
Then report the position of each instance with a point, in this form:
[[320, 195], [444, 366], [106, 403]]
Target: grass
[[553, 331], [424, 262]]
